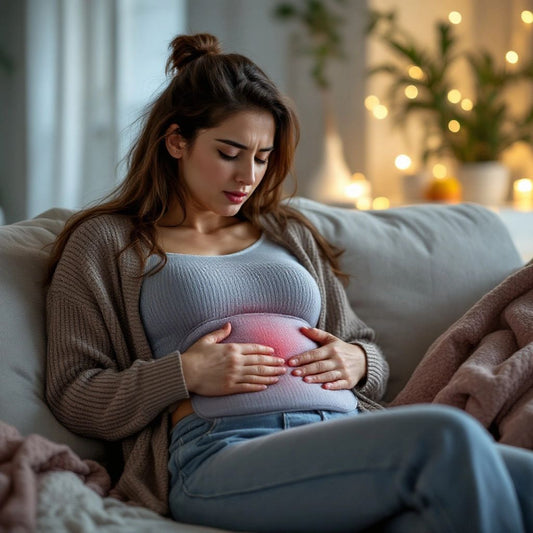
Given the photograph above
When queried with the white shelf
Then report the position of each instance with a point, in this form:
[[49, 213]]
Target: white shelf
[[520, 226]]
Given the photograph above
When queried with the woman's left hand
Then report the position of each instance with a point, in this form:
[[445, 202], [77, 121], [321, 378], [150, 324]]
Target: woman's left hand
[[335, 364]]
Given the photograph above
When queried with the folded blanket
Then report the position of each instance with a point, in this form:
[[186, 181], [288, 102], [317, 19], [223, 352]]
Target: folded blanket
[[22, 461], [484, 363]]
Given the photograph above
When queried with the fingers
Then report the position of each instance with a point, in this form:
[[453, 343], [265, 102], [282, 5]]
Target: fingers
[[315, 367], [334, 364], [218, 335], [318, 335]]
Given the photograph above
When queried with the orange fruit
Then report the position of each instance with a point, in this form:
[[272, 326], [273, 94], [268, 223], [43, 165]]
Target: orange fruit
[[444, 190]]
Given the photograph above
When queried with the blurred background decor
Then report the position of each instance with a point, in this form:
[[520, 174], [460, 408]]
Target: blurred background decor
[[427, 83], [83, 72], [317, 35]]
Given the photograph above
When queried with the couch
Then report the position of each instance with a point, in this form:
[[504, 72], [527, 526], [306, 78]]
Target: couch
[[413, 272]]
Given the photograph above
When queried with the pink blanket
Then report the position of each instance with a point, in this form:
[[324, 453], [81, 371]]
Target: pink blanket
[[22, 460], [484, 363]]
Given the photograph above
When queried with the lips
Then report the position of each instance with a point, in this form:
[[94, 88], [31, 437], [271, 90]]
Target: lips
[[236, 197]]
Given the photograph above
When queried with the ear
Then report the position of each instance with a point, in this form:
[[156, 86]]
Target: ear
[[174, 142]]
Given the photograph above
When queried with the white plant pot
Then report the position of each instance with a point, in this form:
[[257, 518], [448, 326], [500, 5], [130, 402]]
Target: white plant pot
[[484, 183]]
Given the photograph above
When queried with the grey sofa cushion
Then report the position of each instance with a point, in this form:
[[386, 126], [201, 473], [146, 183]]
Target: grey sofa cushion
[[413, 272], [22, 333]]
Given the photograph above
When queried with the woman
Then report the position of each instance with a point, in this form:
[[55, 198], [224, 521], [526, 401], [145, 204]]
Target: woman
[[200, 322]]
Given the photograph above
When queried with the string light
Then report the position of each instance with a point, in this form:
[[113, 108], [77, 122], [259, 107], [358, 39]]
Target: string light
[[380, 111], [402, 162], [411, 92], [454, 126], [467, 104], [455, 17], [527, 16], [358, 187], [454, 96], [371, 101], [415, 72], [381, 202], [511, 57], [440, 171]]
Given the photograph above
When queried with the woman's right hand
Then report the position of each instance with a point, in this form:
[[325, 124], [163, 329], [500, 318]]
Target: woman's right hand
[[212, 368]]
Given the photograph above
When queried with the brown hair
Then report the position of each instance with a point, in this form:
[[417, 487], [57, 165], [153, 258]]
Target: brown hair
[[206, 88]]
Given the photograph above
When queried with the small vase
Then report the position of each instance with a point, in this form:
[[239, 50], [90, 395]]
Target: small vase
[[486, 182], [333, 176]]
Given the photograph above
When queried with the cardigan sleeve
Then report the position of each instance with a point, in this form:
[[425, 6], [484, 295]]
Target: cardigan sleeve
[[100, 378]]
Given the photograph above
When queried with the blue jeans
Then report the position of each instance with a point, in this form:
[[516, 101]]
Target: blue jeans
[[408, 469]]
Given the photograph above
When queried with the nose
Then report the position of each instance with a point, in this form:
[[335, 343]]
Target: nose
[[247, 172]]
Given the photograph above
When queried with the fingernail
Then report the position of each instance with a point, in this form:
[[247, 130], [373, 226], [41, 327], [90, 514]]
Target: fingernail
[[293, 362], [296, 372]]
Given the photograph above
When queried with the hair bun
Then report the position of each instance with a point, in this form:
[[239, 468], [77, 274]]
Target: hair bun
[[187, 48]]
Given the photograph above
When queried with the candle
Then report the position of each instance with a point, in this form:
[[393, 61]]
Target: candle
[[523, 194]]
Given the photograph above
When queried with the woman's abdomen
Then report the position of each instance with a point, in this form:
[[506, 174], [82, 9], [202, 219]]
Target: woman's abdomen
[[290, 393]]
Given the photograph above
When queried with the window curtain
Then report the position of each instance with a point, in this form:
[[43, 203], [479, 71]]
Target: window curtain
[[92, 67]]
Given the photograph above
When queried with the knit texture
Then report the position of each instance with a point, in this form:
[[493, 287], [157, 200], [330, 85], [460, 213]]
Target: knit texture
[[265, 294], [101, 378]]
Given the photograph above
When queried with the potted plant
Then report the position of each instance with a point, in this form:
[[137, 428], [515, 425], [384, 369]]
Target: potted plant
[[474, 131]]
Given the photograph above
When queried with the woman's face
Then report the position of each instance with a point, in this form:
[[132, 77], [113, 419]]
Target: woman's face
[[223, 166]]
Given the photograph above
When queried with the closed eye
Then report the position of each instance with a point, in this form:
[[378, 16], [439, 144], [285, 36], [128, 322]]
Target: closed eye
[[226, 156]]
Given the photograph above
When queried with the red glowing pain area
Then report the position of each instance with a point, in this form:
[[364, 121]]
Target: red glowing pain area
[[281, 332]]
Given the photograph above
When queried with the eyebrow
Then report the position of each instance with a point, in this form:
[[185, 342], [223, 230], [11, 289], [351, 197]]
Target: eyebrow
[[242, 146]]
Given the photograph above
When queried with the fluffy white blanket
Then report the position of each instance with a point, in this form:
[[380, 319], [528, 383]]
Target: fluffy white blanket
[[67, 505]]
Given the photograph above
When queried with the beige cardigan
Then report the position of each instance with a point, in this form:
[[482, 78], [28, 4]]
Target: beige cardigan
[[101, 378]]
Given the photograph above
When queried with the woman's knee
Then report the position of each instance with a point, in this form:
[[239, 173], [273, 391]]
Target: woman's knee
[[446, 425]]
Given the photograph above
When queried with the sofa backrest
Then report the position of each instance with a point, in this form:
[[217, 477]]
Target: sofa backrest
[[413, 271]]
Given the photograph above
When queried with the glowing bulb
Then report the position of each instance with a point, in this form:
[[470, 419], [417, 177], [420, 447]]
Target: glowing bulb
[[467, 104], [381, 202], [358, 187], [523, 185], [411, 92], [363, 204], [454, 126], [415, 72], [402, 162], [511, 57], [527, 16], [440, 171], [454, 96], [380, 111], [371, 101], [455, 17], [523, 194]]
